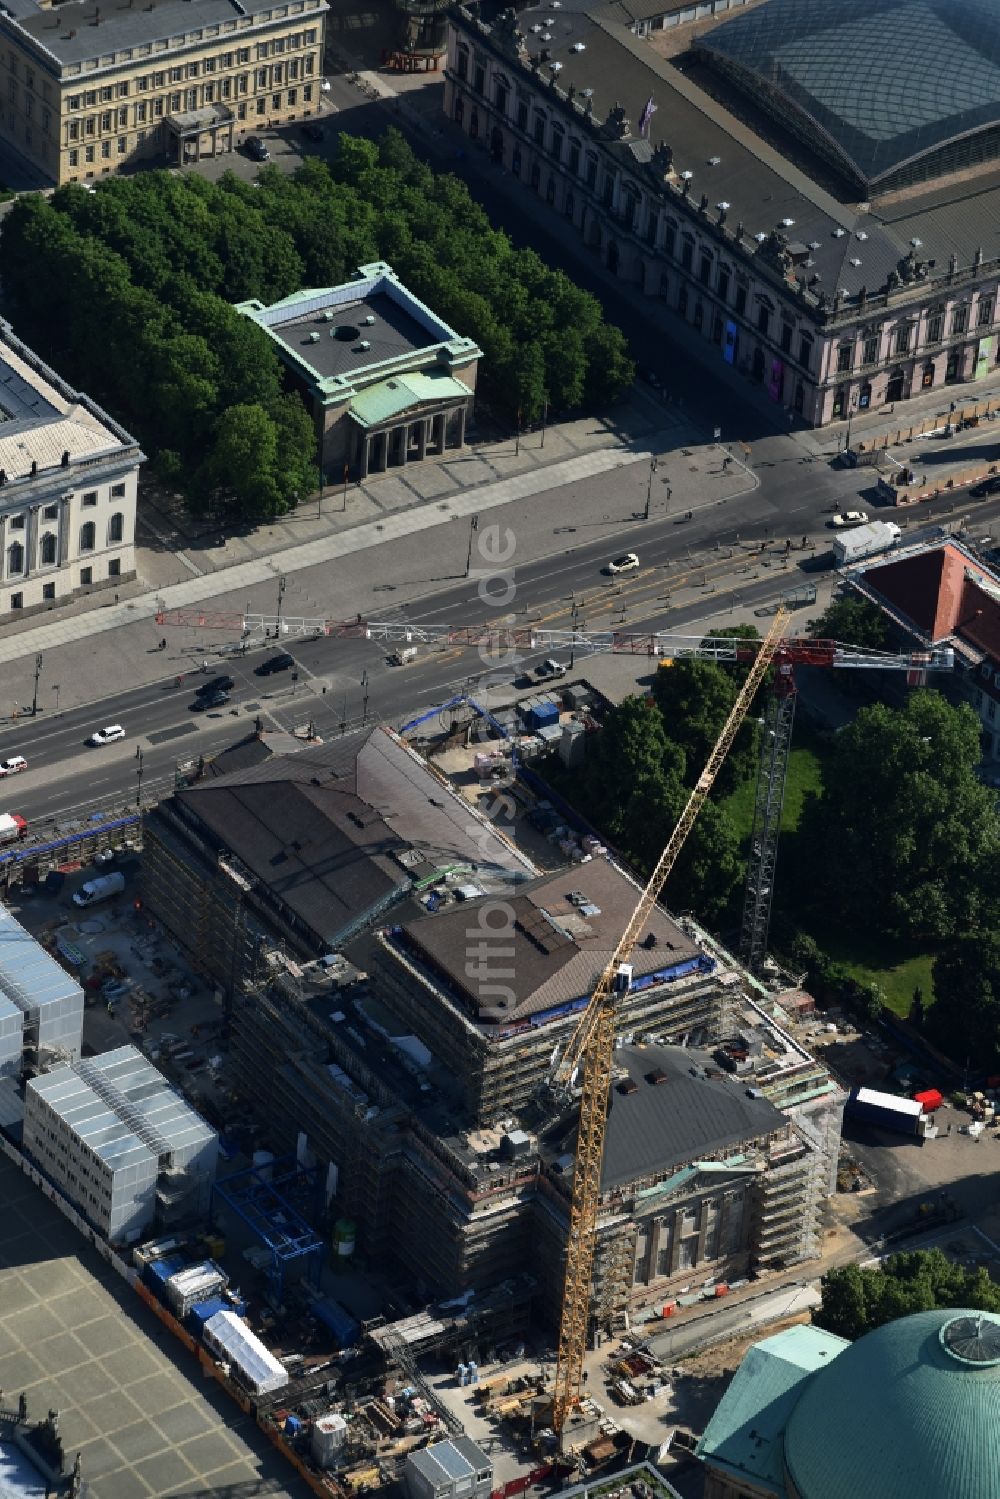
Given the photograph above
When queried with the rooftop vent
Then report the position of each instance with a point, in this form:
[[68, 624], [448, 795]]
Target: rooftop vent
[[314, 337], [578, 47], [370, 320], [855, 261], [862, 234], [328, 316], [715, 161], [628, 1085], [364, 344], [656, 1077], [787, 223], [760, 236]]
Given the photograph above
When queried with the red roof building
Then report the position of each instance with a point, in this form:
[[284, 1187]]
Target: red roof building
[[942, 594]]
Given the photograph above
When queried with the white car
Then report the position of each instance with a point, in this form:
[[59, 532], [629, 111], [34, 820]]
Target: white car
[[108, 735], [849, 518], [626, 563], [13, 765]]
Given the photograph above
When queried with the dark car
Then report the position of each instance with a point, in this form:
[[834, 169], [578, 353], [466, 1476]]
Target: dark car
[[281, 662], [209, 700], [986, 487], [216, 684], [313, 131], [256, 149]]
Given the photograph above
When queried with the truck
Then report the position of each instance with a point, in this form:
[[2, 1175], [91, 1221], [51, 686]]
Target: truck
[[101, 888], [865, 541], [12, 827], [903, 1115]]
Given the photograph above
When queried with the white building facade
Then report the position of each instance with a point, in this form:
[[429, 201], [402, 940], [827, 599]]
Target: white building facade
[[68, 485]]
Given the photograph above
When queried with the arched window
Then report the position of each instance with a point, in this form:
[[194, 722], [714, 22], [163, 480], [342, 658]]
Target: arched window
[[48, 549], [116, 527], [88, 536], [15, 558]]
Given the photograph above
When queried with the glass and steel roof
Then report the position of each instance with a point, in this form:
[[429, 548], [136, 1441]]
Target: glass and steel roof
[[877, 84]]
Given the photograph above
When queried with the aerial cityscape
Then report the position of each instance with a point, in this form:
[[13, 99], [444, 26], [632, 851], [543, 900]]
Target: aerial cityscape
[[499, 749]]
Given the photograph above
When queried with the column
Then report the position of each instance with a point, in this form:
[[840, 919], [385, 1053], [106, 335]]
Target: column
[[365, 456], [404, 443], [385, 451], [30, 539], [441, 426], [63, 548], [422, 426], [462, 412]]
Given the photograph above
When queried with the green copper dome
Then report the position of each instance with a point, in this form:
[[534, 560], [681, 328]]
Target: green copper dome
[[910, 1411]]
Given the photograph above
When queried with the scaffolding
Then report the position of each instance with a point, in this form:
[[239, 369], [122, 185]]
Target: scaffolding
[[272, 1216], [768, 803]]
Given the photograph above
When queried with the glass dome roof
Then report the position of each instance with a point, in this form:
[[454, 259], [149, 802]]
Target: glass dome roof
[[874, 84]]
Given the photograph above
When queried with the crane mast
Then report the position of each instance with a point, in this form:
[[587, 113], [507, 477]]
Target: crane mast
[[593, 1044]]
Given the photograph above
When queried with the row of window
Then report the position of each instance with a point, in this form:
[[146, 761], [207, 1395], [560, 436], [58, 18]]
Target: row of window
[[223, 63], [123, 145], [903, 336], [88, 499], [48, 547], [86, 581]]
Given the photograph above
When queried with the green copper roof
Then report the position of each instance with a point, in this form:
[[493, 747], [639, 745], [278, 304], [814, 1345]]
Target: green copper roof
[[745, 1432], [911, 1411], [389, 398]]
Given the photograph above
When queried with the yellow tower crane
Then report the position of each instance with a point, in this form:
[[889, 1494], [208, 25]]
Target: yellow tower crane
[[592, 1049]]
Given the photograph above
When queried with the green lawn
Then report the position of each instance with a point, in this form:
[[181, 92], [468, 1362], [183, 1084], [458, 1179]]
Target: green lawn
[[868, 957]]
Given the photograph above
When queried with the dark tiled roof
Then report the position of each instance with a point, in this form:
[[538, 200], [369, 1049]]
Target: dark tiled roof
[[680, 1120], [319, 851], [558, 948]]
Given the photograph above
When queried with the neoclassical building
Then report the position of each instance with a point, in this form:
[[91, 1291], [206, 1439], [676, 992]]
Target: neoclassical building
[[388, 381], [68, 480], [754, 175]]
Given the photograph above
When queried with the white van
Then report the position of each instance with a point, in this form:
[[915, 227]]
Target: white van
[[100, 889]]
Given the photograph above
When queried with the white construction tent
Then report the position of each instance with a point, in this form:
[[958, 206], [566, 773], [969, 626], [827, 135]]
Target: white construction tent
[[229, 1337]]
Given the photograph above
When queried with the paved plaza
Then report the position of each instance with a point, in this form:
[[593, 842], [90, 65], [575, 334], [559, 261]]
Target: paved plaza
[[76, 1339]]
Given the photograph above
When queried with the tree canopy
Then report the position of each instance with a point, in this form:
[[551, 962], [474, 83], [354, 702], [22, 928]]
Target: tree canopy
[[147, 268], [965, 1017], [856, 1300], [853, 621], [906, 838]]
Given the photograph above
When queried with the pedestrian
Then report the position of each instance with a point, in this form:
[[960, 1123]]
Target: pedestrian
[[688, 515], [116, 598], [163, 644]]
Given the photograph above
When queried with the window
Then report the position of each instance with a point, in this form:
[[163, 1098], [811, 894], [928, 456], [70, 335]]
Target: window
[[869, 349], [17, 601], [114, 568], [307, 93], [106, 119], [275, 101], [116, 527], [574, 158], [763, 319], [935, 327], [705, 270], [107, 95], [15, 557], [845, 356], [591, 169], [500, 98], [539, 130], [960, 319], [462, 63], [51, 512], [741, 299], [122, 145], [89, 153], [687, 252], [479, 78], [722, 286], [670, 239], [48, 590], [17, 522], [901, 339], [984, 314], [787, 333], [88, 536], [805, 349], [47, 551], [105, 150], [86, 576]]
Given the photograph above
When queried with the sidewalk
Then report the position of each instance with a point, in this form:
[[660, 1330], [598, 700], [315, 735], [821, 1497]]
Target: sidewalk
[[333, 545]]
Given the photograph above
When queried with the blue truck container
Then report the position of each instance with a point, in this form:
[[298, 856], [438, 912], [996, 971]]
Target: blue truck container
[[543, 714], [204, 1311], [159, 1272], [345, 1328]]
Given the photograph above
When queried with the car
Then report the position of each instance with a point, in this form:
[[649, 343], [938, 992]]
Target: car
[[280, 662], [313, 131], [626, 563], [256, 149], [551, 668], [108, 735], [13, 765], [206, 700], [216, 684], [981, 490], [849, 518]]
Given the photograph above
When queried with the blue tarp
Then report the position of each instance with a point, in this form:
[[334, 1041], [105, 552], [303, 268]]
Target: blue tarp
[[202, 1311], [338, 1319]]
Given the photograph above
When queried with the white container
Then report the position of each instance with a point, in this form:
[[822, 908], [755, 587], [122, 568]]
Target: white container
[[328, 1436]]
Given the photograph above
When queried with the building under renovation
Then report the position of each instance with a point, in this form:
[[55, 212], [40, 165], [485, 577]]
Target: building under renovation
[[41, 1005], [421, 1095]]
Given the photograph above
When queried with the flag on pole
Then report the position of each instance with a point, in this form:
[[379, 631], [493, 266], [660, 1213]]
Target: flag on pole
[[649, 110]]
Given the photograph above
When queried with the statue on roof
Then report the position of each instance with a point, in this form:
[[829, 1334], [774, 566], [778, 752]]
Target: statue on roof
[[662, 161], [774, 251], [508, 35], [617, 125]]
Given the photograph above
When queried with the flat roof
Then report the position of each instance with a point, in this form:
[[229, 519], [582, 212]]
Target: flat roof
[[30, 978], [321, 332], [86, 29]]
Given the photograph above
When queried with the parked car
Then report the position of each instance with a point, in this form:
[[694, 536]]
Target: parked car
[[216, 684], [108, 735], [849, 518], [626, 563], [986, 487], [313, 131], [13, 765], [256, 149], [281, 662], [551, 668]]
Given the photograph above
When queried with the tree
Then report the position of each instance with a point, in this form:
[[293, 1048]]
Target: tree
[[856, 1300], [965, 1017], [695, 698], [917, 1007], [853, 621], [907, 838]]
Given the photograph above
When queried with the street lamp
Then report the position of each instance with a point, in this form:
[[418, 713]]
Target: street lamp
[[281, 594], [55, 689], [138, 771], [649, 486], [34, 695], [364, 701], [473, 528], [851, 409]]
